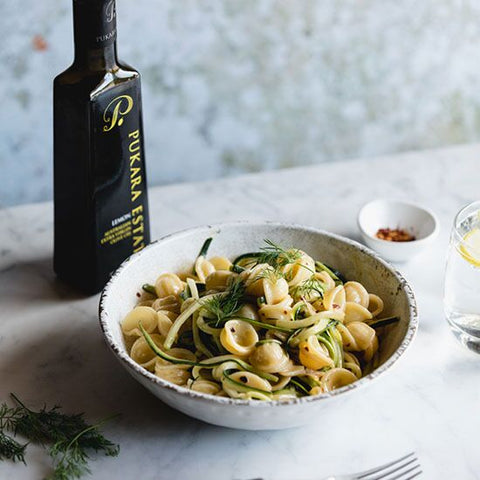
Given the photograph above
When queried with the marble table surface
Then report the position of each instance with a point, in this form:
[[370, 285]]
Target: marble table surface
[[51, 348]]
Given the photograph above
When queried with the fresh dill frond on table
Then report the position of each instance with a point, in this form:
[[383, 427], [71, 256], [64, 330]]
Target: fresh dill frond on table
[[46, 425], [69, 439], [10, 449], [70, 456]]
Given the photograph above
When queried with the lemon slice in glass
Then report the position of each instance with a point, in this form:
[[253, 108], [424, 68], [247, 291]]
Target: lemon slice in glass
[[470, 247]]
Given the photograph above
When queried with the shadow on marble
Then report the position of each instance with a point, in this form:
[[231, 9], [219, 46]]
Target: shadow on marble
[[38, 276], [65, 361]]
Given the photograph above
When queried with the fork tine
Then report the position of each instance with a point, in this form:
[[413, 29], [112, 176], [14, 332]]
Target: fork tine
[[414, 475], [402, 474], [386, 472], [364, 474], [398, 470]]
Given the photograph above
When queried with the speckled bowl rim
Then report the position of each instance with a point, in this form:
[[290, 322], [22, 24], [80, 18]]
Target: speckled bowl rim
[[206, 398]]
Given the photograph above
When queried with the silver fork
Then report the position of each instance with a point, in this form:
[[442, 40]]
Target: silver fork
[[404, 468]]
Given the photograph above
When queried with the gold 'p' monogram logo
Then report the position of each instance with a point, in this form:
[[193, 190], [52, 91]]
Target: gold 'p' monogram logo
[[110, 11], [116, 110]]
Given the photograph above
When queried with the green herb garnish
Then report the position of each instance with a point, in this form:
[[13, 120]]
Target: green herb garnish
[[68, 438], [10, 449], [277, 256], [272, 254], [226, 304], [270, 274], [70, 456], [308, 287]]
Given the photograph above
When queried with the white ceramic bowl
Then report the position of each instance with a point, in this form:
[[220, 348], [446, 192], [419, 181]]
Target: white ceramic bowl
[[418, 221], [176, 253]]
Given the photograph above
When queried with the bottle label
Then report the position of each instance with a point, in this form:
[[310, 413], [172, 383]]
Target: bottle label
[[95, 22], [120, 184]]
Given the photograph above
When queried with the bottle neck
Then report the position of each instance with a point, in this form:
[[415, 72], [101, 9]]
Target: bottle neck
[[95, 33]]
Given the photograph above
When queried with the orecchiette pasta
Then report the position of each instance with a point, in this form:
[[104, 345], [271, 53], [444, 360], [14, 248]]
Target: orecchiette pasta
[[204, 386], [270, 357], [172, 373], [164, 323], [218, 280], [351, 362], [221, 263], [148, 316], [248, 311], [269, 325], [334, 298], [354, 312], [275, 290], [337, 378], [355, 292], [170, 303], [203, 268], [356, 336], [326, 279], [299, 270], [175, 373], [143, 354], [253, 279], [238, 337], [314, 355], [246, 385], [279, 311], [168, 284], [375, 304]]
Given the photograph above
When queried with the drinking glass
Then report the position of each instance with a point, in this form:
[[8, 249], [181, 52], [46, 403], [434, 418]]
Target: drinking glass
[[462, 277]]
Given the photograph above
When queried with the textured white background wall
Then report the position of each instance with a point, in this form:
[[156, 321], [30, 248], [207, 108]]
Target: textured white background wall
[[235, 86]]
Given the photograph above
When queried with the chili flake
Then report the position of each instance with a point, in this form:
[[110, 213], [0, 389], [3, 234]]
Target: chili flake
[[394, 235]]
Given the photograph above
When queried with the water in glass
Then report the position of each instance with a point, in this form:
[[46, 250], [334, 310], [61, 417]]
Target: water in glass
[[462, 278]]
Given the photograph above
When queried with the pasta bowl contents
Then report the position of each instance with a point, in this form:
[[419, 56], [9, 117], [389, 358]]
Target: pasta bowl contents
[[240, 364], [274, 324]]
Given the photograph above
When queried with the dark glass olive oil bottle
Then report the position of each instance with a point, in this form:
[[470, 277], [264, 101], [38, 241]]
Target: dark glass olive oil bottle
[[101, 206]]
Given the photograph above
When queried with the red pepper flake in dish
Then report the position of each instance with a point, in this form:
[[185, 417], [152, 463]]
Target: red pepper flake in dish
[[394, 235]]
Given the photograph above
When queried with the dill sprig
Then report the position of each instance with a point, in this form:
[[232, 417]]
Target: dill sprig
[[8, 417], [70, 456], [69, 437], [277, 256], [226, 304], [271, 274], [10, 449], [46, 426], [309, 287]]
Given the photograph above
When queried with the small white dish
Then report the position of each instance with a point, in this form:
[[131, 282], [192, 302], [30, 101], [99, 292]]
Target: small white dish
[[175, 253], [418, 221]]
